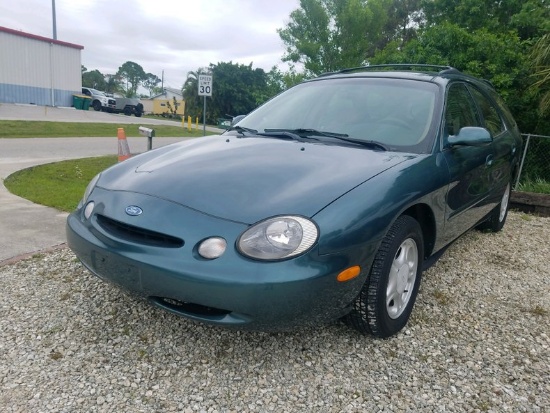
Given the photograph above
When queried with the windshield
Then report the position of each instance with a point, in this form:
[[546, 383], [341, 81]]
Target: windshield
[[97, 92], [398, 113]]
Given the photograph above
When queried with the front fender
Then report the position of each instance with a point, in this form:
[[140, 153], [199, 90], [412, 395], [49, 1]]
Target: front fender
[[363, 216]]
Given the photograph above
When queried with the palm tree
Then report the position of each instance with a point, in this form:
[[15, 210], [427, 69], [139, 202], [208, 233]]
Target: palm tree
[[541, 63], [193, 105]]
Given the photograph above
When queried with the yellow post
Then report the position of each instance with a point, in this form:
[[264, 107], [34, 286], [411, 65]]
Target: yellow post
[[197, 123], [189, 123]]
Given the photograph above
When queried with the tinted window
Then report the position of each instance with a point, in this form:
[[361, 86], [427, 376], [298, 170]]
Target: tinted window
[[504, 110], [491, 118], [460, 110]]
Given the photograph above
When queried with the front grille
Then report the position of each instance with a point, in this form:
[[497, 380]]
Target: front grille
[[138, 235]]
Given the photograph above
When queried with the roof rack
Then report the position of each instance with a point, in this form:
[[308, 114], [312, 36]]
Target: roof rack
[[399, 66]]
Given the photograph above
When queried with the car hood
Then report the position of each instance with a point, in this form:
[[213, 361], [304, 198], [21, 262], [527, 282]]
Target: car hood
[[250, 179]]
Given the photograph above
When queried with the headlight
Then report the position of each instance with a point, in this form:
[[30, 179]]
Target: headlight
[[89, 190], [278, 238]]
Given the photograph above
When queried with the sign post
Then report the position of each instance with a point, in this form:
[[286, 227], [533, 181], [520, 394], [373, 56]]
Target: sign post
[[205, 89]]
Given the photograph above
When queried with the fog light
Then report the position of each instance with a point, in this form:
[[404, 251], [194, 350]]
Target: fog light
[[212, 248], [88, 210]]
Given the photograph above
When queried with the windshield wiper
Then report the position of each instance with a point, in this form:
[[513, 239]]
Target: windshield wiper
[[370, 144], [287, 134], [242, 129], [307, 132]]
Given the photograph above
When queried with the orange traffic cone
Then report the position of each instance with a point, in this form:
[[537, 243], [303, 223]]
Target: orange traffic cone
[[123, 148]]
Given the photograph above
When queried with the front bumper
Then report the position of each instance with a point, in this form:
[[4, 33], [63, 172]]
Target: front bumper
[[231, 291]]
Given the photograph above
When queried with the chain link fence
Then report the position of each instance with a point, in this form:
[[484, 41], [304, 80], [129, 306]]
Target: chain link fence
[[534, 172]]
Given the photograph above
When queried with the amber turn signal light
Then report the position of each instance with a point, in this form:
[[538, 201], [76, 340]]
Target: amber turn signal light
[[349, 274]]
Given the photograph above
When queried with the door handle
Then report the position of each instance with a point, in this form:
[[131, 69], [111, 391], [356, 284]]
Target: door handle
[[489, 160]]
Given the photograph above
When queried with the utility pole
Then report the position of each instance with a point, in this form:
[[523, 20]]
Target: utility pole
[[54, 22]]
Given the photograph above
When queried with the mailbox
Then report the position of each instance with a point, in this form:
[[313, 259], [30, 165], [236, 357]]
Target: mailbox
[[150, 133]]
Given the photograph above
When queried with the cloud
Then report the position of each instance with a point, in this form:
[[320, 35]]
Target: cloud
[[163, 35]]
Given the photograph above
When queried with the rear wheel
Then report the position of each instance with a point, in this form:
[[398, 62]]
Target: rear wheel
[[385, 302], [497, 217]]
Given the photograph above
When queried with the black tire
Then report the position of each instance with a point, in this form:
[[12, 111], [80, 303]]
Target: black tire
[[139, 110], [127, 110], [497, 218], [96, 105], [383, 311]]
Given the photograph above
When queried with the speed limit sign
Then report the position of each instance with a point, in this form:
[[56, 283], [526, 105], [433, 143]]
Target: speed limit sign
[[205, 85]]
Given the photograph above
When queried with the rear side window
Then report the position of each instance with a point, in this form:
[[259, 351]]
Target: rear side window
[[460, 110], [491, 118], [504, 110]]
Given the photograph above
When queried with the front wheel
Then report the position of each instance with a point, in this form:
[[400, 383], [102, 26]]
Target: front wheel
[[385, 302]]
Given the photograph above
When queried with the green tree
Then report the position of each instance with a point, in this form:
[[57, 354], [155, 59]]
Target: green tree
[[113, 83], [540, 59], [94, 79], [278, 81], [237, 90], [485, 38], [528, 18], [150, 83], [193, 102], [132, 75], [326, 35]]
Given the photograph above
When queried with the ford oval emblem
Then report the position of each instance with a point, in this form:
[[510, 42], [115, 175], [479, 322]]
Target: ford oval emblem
[[134, 210]]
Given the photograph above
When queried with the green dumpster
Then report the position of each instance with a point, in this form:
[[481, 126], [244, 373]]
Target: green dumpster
[[78, 101], [86, 102]]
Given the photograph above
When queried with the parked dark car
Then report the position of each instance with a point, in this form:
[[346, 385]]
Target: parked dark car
[[325, 203]]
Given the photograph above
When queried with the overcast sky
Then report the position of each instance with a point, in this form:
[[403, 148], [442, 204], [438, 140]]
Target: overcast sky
[[176, 36]]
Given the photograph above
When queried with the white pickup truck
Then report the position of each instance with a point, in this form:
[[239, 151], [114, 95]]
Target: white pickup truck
[[100, 101]]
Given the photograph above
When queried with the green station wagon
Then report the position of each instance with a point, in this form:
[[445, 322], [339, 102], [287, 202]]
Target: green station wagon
[[325, 203]]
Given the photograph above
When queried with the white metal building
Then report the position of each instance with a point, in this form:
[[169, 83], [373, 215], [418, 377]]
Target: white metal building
[[38, 70]]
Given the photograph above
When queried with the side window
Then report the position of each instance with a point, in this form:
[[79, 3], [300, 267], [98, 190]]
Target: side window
[[460, 110], [491, 118]]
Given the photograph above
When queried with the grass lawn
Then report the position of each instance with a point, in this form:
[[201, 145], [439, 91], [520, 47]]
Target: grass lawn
[[59, 185], [534, 185], [43, 129]]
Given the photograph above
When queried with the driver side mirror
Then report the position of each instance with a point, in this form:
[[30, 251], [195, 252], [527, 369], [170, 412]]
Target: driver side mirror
[[470, 136]]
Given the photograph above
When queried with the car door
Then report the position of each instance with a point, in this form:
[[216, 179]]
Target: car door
[[470, 167], [504, 144]]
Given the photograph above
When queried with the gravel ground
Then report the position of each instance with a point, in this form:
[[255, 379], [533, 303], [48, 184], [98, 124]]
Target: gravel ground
[[478, 341]]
